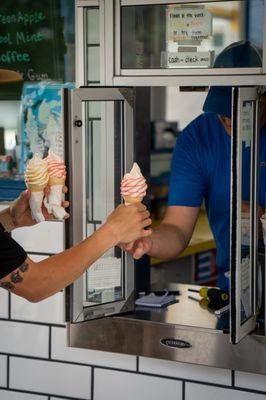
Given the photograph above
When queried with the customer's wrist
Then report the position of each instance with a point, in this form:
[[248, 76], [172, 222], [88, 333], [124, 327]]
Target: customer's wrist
[[111, 233], [108, 235]]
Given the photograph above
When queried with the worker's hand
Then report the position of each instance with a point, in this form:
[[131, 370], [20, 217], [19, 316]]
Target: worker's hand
[[20, 210], [128, 223], [139, 247]]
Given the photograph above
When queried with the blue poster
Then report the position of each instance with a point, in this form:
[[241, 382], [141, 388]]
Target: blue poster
[[41, 121]]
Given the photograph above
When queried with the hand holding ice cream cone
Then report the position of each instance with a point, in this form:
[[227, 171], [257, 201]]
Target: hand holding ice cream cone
[[133, 186], [36, 178], [57, 176]]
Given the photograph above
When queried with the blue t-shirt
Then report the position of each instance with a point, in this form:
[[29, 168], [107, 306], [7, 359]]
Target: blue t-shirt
[[201, 171]]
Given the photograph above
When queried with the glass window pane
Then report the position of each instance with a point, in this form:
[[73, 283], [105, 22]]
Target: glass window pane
[[103, 280], [186, 35], [93, 67], [92, 46], [93, 31]]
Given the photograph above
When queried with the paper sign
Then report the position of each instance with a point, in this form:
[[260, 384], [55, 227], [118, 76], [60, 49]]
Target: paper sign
[[247, 123], [104, 273], [188, 24], [186, 59], [245, 287]]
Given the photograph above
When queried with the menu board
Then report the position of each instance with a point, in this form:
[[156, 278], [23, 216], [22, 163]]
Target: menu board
[[31, 39]]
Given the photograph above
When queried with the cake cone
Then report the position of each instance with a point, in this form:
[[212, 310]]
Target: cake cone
[[36, 178], [56, 181], [57, 177], [132, 200]]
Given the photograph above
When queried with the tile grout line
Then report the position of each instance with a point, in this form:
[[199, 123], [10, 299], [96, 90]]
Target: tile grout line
[[50, 344], [92, 383], [9, 305], [233, 378], [22, 321], [8, 372], [183, 390]]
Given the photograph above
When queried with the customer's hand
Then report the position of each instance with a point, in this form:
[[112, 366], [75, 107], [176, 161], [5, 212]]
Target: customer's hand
[[128, 223], [20, 210], [139, 247]]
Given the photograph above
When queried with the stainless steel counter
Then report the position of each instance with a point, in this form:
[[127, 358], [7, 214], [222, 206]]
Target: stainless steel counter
[[199, 333]]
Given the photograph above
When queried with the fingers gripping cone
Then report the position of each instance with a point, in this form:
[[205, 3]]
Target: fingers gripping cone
[[133, 186], [57, 177], [36, 178]]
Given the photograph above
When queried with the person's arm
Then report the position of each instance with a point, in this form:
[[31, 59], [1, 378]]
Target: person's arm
[[36, 281], [170, 238], [173, 235]]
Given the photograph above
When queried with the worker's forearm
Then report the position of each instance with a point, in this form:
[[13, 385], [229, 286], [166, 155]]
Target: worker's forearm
[[168, 242], [6, 220], [53, 274]]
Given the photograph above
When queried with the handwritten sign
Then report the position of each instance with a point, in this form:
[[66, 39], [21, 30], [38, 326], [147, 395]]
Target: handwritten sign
[[187, 59], [31, 39], [188, 24]]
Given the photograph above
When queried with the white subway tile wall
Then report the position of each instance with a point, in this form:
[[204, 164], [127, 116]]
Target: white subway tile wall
[[46, 237], [114, 385], [185, 371], [24, 339], [250, 381], [35, 363], [111, 360], [204, 392], [3, 303], [7, 395], [54, 378], [3, 371], [49, 311]]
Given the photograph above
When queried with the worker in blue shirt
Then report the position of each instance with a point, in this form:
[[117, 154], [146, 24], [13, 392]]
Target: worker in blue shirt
[[201, 172]]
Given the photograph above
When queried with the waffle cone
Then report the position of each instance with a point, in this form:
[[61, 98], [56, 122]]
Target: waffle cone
[[56, 181], [36, 188], [132, 200]]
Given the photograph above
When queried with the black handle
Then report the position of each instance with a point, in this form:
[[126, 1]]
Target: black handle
[[78, 123]]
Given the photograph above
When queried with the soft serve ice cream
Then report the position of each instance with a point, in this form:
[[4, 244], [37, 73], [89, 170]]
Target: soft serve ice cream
[[57, 177], [36, 178], [133, 186], [56, 169]]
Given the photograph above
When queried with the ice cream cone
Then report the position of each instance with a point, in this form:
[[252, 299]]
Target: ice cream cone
[[133, 186], [36, 178], [57, 177]]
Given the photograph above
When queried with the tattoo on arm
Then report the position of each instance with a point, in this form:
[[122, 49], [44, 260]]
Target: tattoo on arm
[[15, 277]]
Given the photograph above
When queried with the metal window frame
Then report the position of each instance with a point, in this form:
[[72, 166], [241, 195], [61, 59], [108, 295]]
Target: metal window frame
[[76, 99], [181, 77], [152, 2], [239, 330]]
